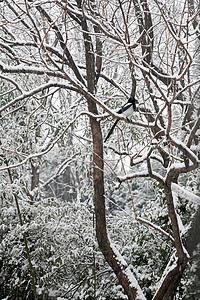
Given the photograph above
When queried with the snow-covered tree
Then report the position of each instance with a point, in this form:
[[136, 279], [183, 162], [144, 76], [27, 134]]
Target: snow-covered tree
[[65, 67]]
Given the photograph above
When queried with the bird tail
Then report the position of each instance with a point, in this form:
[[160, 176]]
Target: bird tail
[[111, 130]]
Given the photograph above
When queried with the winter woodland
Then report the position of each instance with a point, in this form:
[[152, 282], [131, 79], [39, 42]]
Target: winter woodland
[[81, 218]]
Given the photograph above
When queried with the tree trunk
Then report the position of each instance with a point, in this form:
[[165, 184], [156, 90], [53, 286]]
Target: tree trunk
[[98, 172]]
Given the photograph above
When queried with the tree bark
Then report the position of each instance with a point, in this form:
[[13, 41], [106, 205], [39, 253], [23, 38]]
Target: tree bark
[[98, 171]]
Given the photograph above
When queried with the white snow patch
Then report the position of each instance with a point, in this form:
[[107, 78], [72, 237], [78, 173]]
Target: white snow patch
[[128, 273], [183, 193], [180, 223], [172, 264]]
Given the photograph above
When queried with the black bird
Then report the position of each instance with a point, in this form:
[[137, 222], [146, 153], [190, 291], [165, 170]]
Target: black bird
[[127, 110]]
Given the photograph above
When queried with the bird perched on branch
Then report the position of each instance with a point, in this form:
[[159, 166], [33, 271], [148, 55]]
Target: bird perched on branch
[[126, 110]]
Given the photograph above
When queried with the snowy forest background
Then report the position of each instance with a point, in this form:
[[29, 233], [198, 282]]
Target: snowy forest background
[[80, 218]]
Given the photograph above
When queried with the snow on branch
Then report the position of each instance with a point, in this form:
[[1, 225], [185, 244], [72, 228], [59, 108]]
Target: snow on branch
[[133, 175], [12, 82], [60, 169], [171, 268], [153, 174], [126, 270], [102, 24], [183, 148], [155, 227], [47, 147], [43, 151], [27, 94], [183, 193], [30, 70]]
